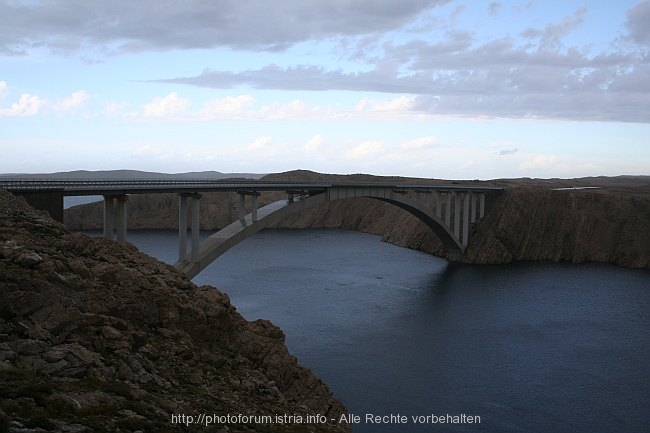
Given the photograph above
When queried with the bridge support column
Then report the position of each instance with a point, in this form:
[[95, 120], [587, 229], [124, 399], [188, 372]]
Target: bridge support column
[[115, 222], [254, 212], [473, 207], [482, 206], [466, 199], [242, 205], [196, 226], [448, 209], [120, 223], [438, 205], [182, 226], [109, 216], [242, 208], [457, 215]]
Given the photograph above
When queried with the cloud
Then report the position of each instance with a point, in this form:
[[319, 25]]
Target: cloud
[[76, 101], [419, 143], [507, 152], [296, 109], [552, 35], [412, 49], [366, 149], [228, 107], [4, 91], [494, 7], [27, 105], [31, 105], [540, 162], [468, 164], [174, 107], [638, 18], [243, 107], [114, 108], [178, 24], [259, 143], [148, 150], [306, 77], [400, 104], [533, 74], [170, 106], [496, 79], [314, 143]]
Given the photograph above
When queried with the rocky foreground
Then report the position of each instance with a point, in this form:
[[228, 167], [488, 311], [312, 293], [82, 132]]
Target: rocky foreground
[[95, 336]]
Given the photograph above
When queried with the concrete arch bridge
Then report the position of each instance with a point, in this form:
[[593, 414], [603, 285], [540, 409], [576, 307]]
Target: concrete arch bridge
[[448, 210]]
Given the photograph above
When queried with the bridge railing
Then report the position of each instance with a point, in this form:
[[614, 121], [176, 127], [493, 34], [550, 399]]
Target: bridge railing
[[137, 185]]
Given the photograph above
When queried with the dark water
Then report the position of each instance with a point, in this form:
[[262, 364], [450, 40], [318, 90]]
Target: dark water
[[528, 348]]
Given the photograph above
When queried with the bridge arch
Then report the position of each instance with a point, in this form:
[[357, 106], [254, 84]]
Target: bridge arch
[[220, 242]]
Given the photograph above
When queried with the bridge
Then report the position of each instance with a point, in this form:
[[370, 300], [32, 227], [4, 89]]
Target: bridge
[[448, 210]]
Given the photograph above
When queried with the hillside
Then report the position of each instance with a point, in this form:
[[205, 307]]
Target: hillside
[[95, 336]]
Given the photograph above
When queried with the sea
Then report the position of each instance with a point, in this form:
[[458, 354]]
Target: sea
[[411, 343]]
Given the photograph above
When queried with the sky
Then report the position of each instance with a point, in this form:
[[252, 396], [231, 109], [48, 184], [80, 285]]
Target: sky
[[425, 88]]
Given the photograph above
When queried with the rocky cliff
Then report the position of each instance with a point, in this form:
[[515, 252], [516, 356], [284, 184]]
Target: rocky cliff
[[530, 220], [600, 225], [95, 336]]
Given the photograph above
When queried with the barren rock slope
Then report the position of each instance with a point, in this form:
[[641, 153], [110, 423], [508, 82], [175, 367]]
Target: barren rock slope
[[95, 336]]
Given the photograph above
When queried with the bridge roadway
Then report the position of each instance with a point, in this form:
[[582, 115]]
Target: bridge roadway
[[447, 209]]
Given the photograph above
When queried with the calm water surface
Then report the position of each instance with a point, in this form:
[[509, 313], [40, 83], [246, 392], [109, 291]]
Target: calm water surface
[[528, 348]]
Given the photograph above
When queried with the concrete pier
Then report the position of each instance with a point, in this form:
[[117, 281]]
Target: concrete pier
[[448, 209], [254, 211], [115, 217], [183, 212], [196, 226], [182, 226], [467, 197], [109, 216], [120, 217], [457, 215], [473, 220], [242, 205]]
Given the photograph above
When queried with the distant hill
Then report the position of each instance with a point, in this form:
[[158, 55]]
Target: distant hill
[[133, 174]]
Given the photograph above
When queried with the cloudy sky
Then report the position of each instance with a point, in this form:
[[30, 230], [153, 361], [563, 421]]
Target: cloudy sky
[[430, 88]]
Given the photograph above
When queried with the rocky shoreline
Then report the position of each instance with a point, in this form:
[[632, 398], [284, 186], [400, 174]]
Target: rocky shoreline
[[95, 336]]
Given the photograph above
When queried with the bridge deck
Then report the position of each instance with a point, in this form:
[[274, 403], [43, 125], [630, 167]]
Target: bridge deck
[[148, 186]]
